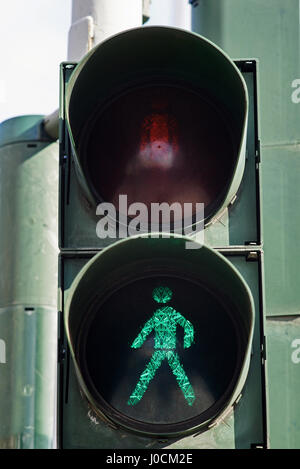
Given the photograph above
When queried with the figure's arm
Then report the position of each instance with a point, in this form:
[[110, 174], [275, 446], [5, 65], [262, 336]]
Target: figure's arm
[[188, 329], [140, 339]]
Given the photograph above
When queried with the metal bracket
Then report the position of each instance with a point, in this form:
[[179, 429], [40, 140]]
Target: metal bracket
[[252, 256]]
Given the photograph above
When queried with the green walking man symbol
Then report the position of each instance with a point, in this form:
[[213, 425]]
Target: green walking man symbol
[[164, 322]]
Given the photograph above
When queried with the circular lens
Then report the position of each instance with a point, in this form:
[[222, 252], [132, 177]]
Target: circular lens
[[162, 354], [160, 143]]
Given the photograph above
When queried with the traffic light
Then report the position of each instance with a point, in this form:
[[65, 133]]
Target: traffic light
[[153, 285], [156, 339]]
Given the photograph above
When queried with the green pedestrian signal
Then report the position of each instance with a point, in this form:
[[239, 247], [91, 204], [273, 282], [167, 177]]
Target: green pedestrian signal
[[163, 373], [164, 323]]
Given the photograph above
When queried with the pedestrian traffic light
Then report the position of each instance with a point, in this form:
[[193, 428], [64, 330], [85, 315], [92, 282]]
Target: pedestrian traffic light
[[156, 339], [160, 311], [146, 128]]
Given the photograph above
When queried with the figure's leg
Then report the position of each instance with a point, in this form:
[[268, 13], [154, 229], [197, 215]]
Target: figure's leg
[[146, 377], [181, 377]]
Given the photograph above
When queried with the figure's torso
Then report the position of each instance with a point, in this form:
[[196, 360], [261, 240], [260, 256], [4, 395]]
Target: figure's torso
[[165, 328]]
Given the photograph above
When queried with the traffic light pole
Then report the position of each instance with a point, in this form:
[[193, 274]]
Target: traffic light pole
[[92, 22], [28, 312], [95, 20]]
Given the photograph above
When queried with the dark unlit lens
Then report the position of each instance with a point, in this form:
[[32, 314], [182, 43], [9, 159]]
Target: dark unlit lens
[[159, 144]]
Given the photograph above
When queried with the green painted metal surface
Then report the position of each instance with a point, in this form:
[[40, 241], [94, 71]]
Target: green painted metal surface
[[22, 129], [283, 346], [28, 294], [28, 370], [28, 208], [269, 31], [240, 223]]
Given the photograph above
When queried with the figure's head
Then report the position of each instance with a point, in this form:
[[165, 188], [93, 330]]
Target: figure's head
[[162, 294]]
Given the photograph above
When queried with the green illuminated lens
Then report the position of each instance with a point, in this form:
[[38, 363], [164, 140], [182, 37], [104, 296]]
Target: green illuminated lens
[[164, 323]]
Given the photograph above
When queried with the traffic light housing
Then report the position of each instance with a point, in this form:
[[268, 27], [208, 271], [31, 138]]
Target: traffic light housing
[[160, 115], [171, 100], [153, 77], [141, 276]]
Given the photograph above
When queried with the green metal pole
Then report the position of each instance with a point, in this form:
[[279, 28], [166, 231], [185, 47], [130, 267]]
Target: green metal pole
[[28, 293]]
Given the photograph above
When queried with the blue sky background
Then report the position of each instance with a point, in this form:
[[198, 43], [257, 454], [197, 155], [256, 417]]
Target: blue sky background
[[33, 42]]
